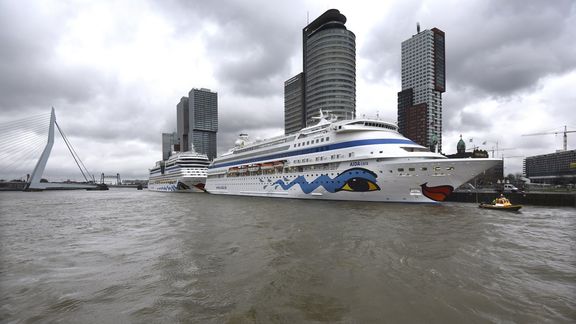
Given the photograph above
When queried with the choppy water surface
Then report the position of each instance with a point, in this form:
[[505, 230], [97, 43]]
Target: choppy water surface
[[145, 257]]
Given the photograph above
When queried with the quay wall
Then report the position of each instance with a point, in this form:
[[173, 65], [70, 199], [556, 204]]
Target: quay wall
[[12, 186], [567, 199]]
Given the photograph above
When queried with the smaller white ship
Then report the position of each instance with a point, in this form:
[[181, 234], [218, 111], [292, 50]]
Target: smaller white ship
[[182, 172]]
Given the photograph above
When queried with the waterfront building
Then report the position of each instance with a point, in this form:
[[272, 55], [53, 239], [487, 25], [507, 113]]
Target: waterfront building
[[182, 124], [423, 82], [203, 120], [554, 168], [197, 119], [328, 81], [294, 114], [170, 143]]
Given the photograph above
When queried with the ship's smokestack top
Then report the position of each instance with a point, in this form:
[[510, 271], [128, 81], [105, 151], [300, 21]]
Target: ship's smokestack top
[[418, 27]]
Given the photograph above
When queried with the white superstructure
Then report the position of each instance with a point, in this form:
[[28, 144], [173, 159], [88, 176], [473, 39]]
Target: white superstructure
[[360, 159], [182, 172]]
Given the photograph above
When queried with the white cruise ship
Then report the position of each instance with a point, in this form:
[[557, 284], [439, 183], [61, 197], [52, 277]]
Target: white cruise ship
[[182, 172], [360, 159]]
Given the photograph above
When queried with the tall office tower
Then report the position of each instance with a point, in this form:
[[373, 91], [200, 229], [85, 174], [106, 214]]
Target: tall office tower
[[423, 82], [294, 114], [329, 77], [182, 121], [169, 144], [203, 121]]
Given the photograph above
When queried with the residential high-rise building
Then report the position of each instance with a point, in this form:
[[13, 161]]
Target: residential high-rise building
[[203, 121], [329, 78], [169, 144], [197, 122], [423, 82]]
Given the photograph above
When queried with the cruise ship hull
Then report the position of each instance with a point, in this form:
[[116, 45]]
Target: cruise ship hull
[[420, 181], [360, 159], [182, 184]]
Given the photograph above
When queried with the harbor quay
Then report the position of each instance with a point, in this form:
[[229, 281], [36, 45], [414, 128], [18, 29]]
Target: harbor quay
[[564, 199]]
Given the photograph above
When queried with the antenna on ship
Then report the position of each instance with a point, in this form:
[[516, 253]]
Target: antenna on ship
[[418, 27]]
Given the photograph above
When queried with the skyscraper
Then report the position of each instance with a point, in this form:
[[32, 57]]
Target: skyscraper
[[294, 113], [169, 144], [329, 78], [423, 82], [182, 124], [197, 121], [203, 121]]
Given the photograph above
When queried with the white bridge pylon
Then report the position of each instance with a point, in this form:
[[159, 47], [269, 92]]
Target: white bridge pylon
[[35, 184], [41, 164]]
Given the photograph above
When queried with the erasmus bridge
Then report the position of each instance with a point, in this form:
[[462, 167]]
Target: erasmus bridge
[[25, 147]]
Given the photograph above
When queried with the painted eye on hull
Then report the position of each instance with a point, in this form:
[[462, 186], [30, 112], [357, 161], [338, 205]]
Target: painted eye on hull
[[359, 185]]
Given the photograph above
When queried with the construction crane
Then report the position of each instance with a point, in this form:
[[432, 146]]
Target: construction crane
[[556, 133]]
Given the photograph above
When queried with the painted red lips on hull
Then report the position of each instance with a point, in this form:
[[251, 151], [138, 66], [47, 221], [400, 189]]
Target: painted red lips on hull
[[438, 193]]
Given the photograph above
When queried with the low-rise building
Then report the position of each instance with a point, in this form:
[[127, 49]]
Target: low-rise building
[[555, 168]]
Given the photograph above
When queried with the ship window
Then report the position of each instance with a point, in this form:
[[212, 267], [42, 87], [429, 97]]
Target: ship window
[[400, 169], [437, 168], [424, 168], [322, 139], [327, 139], [307, 142], [449, 168], [411, 169]]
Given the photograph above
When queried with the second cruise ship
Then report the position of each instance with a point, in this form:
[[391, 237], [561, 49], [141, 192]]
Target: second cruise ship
[[182, 172]]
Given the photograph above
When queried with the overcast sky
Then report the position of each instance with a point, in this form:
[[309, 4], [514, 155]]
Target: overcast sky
[[115, 70]]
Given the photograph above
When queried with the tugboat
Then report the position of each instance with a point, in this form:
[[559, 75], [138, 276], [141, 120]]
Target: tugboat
[[501, 203]]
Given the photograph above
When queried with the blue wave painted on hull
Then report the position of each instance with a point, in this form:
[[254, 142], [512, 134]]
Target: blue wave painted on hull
[[354, 180]]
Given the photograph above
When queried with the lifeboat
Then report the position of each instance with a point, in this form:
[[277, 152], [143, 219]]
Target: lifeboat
[[243, 169], [279, 165], [254, 167], [267, 166], [233, 170]]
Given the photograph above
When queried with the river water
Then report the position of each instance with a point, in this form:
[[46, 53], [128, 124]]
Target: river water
[[128, 256]]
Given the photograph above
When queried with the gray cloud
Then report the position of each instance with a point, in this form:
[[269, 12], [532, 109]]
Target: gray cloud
[[507, 47], [30, 73], [250, 49], [495, 47]]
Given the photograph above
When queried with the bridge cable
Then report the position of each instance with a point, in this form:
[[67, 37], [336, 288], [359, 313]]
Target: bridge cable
[[73, 152]]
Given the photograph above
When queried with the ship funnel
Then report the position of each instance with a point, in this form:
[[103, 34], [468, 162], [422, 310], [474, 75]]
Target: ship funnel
[[242, 140]]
